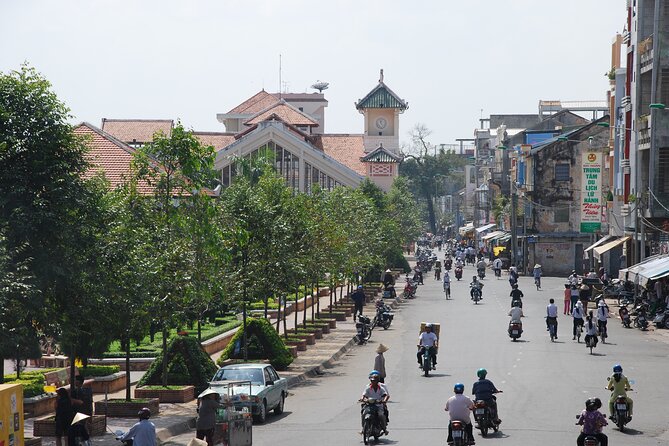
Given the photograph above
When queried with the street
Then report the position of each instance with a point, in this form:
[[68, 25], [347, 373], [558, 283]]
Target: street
[[545, 384]]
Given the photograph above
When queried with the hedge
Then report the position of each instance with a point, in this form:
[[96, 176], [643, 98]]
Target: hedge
[[263, 343], [187, 364], [99, 370]]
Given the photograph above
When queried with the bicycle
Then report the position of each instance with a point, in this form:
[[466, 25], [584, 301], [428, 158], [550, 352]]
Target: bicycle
[[552, 329], [537, 282]]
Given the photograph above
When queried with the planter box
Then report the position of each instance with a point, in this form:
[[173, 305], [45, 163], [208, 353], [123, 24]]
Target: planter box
[[136, 364], [323, 326], [346, 309], [46, 427], [121, 408], [39, 405], [110, 383], [32, 441], [300, 345], [184, 395], [309, 337], [324, 292], [336, 315]]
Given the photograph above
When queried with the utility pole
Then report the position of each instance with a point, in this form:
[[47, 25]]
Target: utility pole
[[514, 224]]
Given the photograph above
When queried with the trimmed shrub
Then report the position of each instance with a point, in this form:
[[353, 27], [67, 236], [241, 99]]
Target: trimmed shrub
[[263, 343], [99, 370], [187, 364]]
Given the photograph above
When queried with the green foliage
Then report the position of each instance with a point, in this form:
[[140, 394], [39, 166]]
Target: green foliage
[[264, 343], [98, 370], [188, 364], [33, 381]]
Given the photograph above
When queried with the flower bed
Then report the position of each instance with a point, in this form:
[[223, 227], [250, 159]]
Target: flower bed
[[126, 409], [169, 394]]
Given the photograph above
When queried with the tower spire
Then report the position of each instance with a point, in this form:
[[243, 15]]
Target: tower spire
[[381, 76]]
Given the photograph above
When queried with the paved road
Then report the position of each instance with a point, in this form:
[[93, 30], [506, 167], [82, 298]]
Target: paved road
[[544, 383]]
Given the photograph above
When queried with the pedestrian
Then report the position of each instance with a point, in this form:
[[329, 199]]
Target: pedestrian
[[82, 397], [574, 296], [78, 435], [551, 316], [567, 299], [207, 404], [380, 362], [358, 298], [584, 296], [447, 284], [64, 415]]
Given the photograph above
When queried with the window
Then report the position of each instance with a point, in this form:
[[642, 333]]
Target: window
[[561, 215], [562, 172]]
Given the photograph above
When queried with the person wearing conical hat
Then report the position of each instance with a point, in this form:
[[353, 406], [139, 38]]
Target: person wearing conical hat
[[380, 362], [207, 403]]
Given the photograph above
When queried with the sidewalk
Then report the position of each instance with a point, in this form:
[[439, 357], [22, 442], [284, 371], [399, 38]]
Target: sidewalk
[[179, 419]]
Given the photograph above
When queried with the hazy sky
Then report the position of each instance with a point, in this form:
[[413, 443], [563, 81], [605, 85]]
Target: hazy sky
[[192, 59]]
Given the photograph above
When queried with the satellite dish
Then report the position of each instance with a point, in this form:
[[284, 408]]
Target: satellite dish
[[320, 86]]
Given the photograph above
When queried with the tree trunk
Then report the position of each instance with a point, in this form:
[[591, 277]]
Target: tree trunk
[[18, 364], [2, 369], [317, 305], [332, 288], [430, 212], [297, 297], [278, 316], [127, 369], [307, 294], [285, 317], [199, 331], [165, 334], [73, 356], [244, 337]]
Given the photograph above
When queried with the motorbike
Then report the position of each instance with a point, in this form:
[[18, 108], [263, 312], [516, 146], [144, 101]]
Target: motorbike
[[426, 364], [590, 342], [448, 263], [410, 288], [476, 294], [119, 434], [498, 272], [621, 412], [364, 329], [481, 273], [371, 423], [515, 330], [459, 433], [458, 272], [552, 330], [662, 319], [625, 318], [640, 320], [589, 440], [384, 316], [484, 419]]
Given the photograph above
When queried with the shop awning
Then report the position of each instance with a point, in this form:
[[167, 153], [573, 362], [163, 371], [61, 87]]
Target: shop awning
[[599, 242], [469, 227], [505, 238], [651, 268], [599, 250], [493, 235], [485, 227]]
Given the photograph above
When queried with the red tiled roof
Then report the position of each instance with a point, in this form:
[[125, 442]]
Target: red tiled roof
[[219, 140], [139, 130], [109, 156], [256, 103], [285, 112], [345, 149]]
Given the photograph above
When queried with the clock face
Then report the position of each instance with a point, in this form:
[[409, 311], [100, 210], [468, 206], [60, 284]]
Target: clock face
[[381, 123]]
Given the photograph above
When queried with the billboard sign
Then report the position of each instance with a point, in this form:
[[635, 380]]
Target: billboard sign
[[591, 192]]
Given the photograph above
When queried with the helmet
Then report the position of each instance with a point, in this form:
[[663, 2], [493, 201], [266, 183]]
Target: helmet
[[516, 303], [591, 404], [359, 287], [481, 373], [459, 388], [428, 326], [617, 368], [601, 303], [374, 375], [514, 286], [144, 413], [474, 278]]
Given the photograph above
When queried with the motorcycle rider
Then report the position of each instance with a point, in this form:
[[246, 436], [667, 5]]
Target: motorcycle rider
[[577, 314], [389, 283], [590, 328], [429, 340], [497, 267], [516, 312], [619, 385], [602, 315], [516, 295], [447, 283], [484, 390], [418, 275], [513, 275], [143, 433], [573, 278], [358, 298], [536, 272], [592, 421], [481, 266], [476, 284], [459, 408], [552, 315], [378, 392]]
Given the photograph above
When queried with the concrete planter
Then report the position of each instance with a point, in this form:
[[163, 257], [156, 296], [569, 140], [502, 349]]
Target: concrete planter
[[183, 395], [293, 350], [299, 344], [136, 364], [32, 441], [46, 427], [110, 383], [120, 408], [336, 315], [39, 405], [309, 337], [324, 292]]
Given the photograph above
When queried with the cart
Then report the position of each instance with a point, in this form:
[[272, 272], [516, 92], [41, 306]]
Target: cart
[[234, 419]]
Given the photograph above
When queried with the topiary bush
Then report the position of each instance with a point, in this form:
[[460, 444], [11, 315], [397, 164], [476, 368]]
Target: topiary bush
[[187, 364], [263, 343]]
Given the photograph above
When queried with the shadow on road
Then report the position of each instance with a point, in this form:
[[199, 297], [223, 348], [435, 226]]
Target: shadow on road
[[629, 431], [598, 354]]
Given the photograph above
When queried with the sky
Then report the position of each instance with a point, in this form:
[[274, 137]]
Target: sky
[[454, 61]]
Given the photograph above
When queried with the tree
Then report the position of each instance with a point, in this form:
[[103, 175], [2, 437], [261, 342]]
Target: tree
[[423, 170], [45, 199]]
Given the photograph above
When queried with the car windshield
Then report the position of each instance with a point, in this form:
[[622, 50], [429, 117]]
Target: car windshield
[[246, 374]]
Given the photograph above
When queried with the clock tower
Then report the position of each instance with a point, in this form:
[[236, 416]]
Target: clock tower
[[381, 109]]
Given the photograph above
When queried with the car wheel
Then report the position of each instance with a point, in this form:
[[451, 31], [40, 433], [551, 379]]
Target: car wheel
[[261, 416], [278, 410]]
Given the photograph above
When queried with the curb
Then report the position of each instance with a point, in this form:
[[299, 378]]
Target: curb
[[318, 369]]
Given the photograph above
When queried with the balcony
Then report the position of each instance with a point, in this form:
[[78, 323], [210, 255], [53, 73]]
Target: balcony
[[658, 210], [644, 139], [626, 103], [646, 62]]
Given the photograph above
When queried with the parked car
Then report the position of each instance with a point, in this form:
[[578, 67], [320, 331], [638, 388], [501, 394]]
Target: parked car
[[268, 389]]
